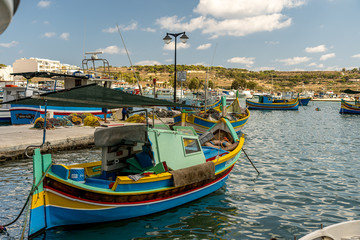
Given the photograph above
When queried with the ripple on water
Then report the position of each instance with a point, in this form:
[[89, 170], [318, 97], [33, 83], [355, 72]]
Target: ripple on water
[[309, 176]]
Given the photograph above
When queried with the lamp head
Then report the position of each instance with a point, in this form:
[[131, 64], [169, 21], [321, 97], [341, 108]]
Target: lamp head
[[184, 38], [167, 39]]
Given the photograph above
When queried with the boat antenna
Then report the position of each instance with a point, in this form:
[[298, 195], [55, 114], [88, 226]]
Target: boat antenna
[[206, 78], [84, 40], [127, 53]]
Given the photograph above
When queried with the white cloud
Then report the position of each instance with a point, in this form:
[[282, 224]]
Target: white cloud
[[294, 60], [148, 63], [148, 29], [230, 27], [243, 8], [49, 35], [9, 45], [272, 42], [110, 30], [233, 17], [317, 49], [356, 55], [179, 45], [44, 4], [333, 68], [204, 46], [327, 56], [264, 68], [132, 26], [242, 60], [112, 50], [65, 36], [313, 64]]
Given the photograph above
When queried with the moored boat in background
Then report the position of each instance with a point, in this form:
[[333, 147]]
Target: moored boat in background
[[304, 101], [204, 120], [24, 114], [349, 108], [269, 103]]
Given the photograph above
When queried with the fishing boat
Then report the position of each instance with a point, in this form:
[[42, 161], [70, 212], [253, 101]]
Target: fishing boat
[[143, 169], [349, 108], [12, 92], [304, 101], [349, 230], [24, 114], [204, 120], [269, 103], [5, 117]]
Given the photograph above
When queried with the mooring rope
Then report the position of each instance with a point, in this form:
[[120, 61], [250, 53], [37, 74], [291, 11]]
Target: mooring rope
[[33, 189]]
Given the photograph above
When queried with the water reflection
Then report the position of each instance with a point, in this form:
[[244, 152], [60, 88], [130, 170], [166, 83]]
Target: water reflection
[[309, 176]]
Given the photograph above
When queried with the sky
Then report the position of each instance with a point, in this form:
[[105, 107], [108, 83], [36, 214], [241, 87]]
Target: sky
[[281, 35]]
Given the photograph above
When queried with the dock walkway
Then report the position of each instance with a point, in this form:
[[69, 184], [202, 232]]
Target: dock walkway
[[15, 139]]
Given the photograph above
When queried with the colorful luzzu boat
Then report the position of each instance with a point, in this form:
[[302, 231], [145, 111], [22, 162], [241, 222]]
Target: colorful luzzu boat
[[237, 115], [348, 108], [143, 170], [268, 103], [304, 101]]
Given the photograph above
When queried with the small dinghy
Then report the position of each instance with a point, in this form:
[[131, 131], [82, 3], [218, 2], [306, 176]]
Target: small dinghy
[[341, 231]]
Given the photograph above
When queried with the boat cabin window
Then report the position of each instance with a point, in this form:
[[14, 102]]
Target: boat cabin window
[[77, 82], [191, 145]]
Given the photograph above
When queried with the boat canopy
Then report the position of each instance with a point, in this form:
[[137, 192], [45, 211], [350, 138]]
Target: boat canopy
[[93, 95], [55, 76], [348, 91]]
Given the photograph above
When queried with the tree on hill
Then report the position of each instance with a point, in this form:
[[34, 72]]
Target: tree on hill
[[194, 83], [238, 83]]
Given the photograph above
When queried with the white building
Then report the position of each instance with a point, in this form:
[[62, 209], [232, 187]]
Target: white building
[[5, 73], [41, 65]]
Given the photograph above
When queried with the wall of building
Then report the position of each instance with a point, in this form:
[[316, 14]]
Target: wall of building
[[25, 65], [41, 65], [5, 73]]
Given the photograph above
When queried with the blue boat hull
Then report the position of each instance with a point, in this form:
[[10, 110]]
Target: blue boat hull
[[304, 101], [64, 216], [348, 108], [27, 114], [272, 106]]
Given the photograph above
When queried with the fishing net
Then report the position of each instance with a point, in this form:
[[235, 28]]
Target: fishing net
[[39, 123], [91, 121]]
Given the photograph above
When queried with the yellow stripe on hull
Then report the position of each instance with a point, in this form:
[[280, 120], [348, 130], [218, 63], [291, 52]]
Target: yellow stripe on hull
[[57, 200], [37, 200]]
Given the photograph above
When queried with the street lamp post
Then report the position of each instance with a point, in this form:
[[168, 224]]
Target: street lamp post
[[167, 40]]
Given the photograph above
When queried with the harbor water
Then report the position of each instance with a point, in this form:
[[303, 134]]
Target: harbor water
[[309, 175]]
